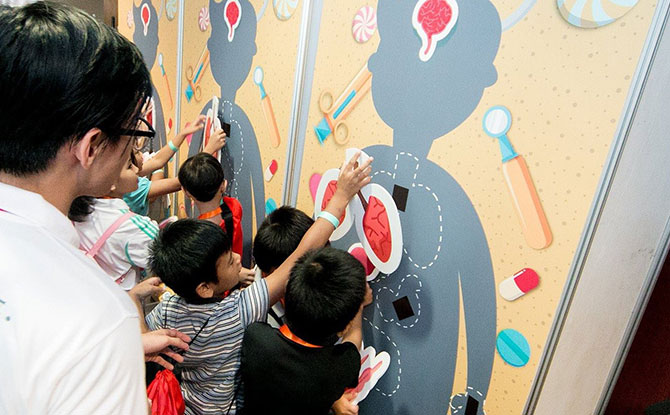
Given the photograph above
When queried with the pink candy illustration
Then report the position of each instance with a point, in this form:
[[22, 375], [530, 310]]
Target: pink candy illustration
[[203, 19], [233, 14], [365, 24], [433, 20]]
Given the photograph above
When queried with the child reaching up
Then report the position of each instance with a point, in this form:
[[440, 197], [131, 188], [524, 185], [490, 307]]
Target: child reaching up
[[299, 369], [138, 200], [194, 258]]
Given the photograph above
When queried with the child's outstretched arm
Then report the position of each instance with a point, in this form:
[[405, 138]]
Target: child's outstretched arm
[[352, 179], [163, 187], [164, 154]]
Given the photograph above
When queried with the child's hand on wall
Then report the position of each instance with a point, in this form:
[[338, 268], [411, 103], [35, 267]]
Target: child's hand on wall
[[216, 142], [353, 177], [343, 406], [195, 126]]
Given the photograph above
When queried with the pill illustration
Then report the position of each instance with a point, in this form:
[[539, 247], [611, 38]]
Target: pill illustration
[[270, 170], [513, 347], [518, 284]]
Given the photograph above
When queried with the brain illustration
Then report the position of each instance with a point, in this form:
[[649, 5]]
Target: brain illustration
[[433, 20], [233, 12]]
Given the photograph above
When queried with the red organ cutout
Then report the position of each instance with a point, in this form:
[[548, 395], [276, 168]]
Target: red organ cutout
[[377, 229]]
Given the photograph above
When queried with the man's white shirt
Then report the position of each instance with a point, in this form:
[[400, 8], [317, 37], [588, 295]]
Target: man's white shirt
[[69, 337]]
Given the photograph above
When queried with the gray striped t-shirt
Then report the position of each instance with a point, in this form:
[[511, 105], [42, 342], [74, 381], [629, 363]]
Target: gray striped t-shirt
[[209, 370]]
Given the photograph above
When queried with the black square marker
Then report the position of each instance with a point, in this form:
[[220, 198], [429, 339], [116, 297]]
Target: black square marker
[[472, 406], [403, 309], [400, 197]]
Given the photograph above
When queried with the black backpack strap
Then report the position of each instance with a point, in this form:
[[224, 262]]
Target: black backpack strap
[[227, 216]]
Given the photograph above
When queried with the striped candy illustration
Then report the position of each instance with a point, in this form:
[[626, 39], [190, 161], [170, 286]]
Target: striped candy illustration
[[593, 13], [365, 24], [284, 9]]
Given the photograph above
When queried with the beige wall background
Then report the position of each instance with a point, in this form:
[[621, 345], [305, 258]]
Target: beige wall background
[[565, 87]]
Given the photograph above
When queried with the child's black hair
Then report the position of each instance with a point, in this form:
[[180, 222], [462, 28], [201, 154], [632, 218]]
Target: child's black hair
[[324, 292], [278, 236], [80, 208], [185, 253], [201, 175]]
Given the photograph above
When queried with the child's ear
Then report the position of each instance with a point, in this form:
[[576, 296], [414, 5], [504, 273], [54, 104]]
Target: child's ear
[[224, 185], [204, 290]]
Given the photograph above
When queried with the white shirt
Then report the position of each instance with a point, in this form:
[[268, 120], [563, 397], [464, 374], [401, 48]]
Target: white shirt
[[127, 249], [69, 337]]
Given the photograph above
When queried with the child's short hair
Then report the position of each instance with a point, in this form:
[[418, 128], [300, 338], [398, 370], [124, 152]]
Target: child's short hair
[[201, 175], [185, 253], [324, 292], [279, 235]]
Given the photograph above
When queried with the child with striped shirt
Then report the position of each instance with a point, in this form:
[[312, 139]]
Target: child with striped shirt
[[196, 260]]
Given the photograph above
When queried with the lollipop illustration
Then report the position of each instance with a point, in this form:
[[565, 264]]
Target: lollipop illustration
[[365, 24], [203, 19]]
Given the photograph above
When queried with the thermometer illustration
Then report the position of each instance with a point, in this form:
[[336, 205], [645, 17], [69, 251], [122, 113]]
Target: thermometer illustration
[[267, 108], [496, 123], [167, 83]]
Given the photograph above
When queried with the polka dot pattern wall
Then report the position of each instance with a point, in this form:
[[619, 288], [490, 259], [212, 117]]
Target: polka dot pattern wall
[[565, 88]]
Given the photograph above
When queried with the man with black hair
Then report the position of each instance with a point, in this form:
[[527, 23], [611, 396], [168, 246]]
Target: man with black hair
[[276, 239], [299, 369], [72, 90]]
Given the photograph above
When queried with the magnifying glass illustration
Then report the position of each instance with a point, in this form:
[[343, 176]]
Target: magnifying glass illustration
[[496, 123]]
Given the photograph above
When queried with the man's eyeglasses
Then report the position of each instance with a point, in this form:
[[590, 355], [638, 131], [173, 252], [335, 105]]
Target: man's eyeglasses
[[139, 136]]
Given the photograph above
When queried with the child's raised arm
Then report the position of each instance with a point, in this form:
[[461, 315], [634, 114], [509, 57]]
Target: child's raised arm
[[352, 179], [164, 154]]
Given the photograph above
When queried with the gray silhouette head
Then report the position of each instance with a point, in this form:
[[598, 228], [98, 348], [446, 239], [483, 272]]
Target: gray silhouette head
[[425, 100], [147, 44], [231, 60]]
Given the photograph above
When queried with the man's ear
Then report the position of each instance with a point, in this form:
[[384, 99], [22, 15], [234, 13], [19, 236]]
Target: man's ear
[[88, 148], [223, 187], [204, 290]]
